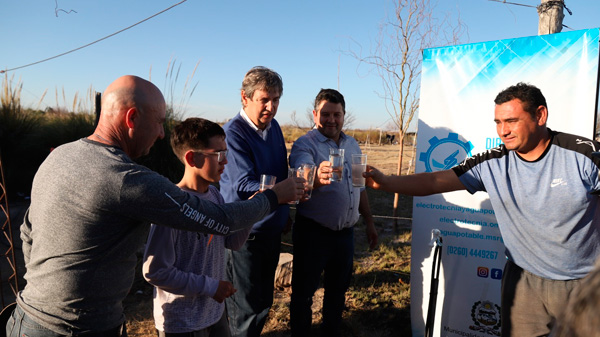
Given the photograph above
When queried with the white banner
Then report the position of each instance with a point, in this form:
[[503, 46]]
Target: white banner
[[456, 120]]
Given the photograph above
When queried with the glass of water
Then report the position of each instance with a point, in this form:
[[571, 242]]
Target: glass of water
[[308, 172], [266, 182], [359, 165], [336, 158]]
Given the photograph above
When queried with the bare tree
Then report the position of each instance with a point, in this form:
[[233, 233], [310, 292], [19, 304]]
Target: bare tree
[[397, 58], [296, 122], [309, 117], [309, 123], [349, 120]]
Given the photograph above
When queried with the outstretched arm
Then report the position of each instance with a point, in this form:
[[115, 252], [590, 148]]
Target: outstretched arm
[[420, 184]]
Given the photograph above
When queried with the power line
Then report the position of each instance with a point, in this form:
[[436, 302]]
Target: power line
[[542, 7], [91, 43], [513, 3], [546, 6]]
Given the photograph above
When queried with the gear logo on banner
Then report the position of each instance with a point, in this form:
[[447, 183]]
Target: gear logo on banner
[[486, 316], [445, 153]]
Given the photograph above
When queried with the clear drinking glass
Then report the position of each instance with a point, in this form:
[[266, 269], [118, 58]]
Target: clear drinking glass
[[308, 172], [293, 172], [336, 157], [267, 182], [359, 165]]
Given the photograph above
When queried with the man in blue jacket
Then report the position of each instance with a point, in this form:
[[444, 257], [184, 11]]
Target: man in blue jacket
[[256, 146]]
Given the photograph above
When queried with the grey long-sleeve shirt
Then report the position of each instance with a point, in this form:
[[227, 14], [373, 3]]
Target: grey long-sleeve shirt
[[91, 207]]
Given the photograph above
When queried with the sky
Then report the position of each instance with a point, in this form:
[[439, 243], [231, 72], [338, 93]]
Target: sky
[[307, 42]]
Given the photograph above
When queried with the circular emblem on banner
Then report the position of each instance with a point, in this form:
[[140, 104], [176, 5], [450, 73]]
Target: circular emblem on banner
[[445, 153], [486, 316]]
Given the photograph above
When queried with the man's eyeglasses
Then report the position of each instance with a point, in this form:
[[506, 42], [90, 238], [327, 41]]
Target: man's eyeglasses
[[221, 155]]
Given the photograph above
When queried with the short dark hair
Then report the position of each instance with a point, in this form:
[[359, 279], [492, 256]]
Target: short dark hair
[[529, 95], [193, 134], [332, 96], [261, 78]]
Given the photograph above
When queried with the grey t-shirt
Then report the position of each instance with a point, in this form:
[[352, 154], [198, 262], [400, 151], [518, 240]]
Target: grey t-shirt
[[547, 210], [90, 211]]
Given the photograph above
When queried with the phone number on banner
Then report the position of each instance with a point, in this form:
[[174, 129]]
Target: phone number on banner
[[466, 252]]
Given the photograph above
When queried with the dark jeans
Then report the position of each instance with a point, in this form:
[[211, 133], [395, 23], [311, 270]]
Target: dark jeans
[[317, 250], [21, 325], [252, 272]]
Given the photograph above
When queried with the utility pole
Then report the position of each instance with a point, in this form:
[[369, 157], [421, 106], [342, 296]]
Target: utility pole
[[551, 16]]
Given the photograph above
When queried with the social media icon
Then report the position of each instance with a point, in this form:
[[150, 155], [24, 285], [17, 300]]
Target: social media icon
[[483, 272], [496, 274]]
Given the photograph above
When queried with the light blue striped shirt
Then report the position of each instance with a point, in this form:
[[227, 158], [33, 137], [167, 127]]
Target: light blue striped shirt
[[334, 206]]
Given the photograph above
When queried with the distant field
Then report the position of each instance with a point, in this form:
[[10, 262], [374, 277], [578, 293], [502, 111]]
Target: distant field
[[385, 157]]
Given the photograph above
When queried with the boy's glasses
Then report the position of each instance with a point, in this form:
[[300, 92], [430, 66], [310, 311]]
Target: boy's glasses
[[221, 155]]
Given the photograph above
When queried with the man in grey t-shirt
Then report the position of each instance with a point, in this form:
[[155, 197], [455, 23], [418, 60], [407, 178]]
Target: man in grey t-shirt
[[543, 186], [91, 206]]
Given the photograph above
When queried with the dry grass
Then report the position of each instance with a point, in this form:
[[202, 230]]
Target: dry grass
[[378, 301]]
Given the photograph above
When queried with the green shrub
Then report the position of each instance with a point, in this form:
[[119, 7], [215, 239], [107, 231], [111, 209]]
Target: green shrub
[[16, 129]]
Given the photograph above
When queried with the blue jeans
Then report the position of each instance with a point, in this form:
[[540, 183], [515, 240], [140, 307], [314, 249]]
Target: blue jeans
[[252, 272], [316, 250], [21, 325]]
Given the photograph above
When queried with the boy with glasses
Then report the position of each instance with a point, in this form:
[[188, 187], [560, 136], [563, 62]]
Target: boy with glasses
[[187, 268]]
